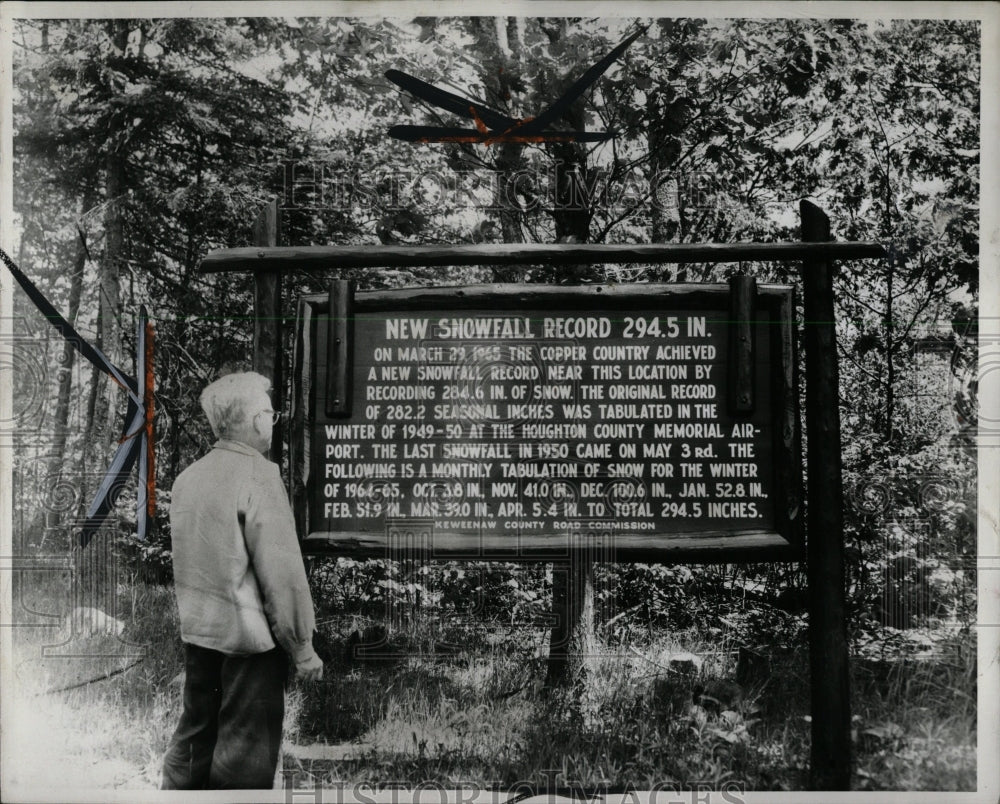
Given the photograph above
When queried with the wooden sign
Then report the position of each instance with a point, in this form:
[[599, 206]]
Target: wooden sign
[[519, 422]]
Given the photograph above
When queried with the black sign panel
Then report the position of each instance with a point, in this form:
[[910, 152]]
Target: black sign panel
[[518, 421]]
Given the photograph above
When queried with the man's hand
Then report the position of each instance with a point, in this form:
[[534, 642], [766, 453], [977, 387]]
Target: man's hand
[[310, 669]]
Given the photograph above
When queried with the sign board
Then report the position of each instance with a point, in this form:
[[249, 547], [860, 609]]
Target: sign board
[[517, 422]]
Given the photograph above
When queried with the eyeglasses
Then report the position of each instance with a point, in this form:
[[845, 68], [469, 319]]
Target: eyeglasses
[[275, 415]]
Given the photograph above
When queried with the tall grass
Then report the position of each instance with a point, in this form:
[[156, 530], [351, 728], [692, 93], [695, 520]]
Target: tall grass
[[480, 716]]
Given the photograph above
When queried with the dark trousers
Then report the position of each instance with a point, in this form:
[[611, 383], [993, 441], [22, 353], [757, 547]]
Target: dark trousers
[[229, 734]]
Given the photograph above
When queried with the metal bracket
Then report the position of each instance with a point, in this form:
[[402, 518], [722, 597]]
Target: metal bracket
[[339, 349], [742, 345]]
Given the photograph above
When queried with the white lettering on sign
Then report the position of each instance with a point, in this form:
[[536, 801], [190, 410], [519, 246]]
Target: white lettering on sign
[[540, 422]]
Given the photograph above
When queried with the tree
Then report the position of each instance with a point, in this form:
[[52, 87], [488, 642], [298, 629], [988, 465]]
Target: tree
[[152, 119]]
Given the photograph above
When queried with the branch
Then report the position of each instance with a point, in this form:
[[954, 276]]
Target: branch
[[850, 357], [624, 216], [894, 346], [863, 303]]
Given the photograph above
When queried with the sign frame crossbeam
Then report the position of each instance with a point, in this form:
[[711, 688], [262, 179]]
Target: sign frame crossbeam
[[289, 259]]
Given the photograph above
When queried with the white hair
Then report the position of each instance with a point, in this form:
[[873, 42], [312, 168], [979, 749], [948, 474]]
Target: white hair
[[225, 401]]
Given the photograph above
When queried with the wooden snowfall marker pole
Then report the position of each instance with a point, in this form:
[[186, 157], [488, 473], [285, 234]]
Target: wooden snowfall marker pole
[[267, 320], [571, 641], [828, 662]]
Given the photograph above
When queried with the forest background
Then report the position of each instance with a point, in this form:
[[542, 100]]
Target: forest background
[[141, 144]]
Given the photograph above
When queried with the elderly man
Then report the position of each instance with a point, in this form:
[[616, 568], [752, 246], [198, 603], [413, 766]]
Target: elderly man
[[244, 602]]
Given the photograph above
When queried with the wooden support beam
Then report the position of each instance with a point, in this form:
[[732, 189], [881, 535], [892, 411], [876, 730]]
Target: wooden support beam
[[267, 319], [741, 363], [572, 640], [340, 348], [311, 258], [828, 662]]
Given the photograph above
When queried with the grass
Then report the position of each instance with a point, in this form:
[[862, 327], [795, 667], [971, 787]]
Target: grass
[[460, 701]]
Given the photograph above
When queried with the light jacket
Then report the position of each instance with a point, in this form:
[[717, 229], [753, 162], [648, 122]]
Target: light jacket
[[238, 568]]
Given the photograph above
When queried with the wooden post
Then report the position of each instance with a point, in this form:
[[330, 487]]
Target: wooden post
[[340, 348], [571, 641], [742, 352], [831, 707], [573, 644], [267, 321]]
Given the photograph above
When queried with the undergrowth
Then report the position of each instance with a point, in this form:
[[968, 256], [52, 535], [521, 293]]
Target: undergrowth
[[458, 697]]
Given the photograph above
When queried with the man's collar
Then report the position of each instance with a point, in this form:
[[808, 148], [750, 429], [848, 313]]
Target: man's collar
[[236, 446]]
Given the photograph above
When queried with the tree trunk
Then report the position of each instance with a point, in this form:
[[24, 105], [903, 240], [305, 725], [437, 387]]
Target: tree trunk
[[57, 456], [92, 429], [86, 571], [500, 38], [667, 116], [110, 284], [663, 140], [890, 369], [890, 365], [572, 210], [174, 434], [94, 581], [572, 641], [574, 185]]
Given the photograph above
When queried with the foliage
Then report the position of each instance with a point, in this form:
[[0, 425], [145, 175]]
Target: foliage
[[496, 592]]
